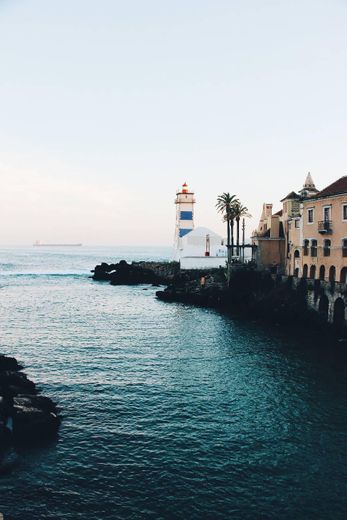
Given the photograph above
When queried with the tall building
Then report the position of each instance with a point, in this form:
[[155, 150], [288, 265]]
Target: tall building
[[308, 237], [195, 248], [269, 240], [319, 249], [184, 217]]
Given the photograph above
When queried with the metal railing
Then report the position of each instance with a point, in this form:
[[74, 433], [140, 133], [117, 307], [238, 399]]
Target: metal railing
[[325, 226]]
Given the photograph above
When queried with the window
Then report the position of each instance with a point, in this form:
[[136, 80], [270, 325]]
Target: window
[[344, 212], [327, 213], [326, 247], [297, 223], [313, 247], [344, 247], [322, 272], [306, 244], [310, 216], [332, 274], [343, 275]]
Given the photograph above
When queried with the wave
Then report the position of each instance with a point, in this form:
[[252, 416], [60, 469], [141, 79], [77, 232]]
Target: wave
[[40, 274]]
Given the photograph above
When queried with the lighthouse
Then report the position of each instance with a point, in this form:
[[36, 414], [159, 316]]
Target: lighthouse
[[184, 217]]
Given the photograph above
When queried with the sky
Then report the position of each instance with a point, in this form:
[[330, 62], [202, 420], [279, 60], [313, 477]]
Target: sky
[[107, 107]]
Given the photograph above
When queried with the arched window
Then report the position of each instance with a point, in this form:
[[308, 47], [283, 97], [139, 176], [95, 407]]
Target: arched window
[[297, 254], [332, 274], [326, 247], [323, 307], [322, 272], [305, 271], [343, 275], [339, 314], [296, 272], [313, 247], [313, 272], [306, 246]]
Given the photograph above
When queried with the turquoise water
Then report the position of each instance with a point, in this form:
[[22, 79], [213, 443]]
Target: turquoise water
[[170, 412]]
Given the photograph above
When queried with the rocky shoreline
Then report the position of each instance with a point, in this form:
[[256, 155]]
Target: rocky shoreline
[[26, 418], [256, 295], [154, 273], [252, 294], [122, 273]]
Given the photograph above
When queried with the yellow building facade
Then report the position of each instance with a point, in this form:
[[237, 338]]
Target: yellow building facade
[[308, 237], [317, 238]]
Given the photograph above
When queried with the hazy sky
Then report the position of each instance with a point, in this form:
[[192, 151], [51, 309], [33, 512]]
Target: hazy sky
[[107, 106]]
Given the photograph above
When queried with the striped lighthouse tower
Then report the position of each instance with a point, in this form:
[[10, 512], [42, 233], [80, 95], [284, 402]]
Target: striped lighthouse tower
[[184, 217]]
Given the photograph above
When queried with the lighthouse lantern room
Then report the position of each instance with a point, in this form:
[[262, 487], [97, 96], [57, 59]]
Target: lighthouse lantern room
[[184, 216]]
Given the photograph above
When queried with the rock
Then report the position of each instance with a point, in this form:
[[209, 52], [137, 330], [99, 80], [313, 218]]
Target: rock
[[5, 435], [6, 405], [33, 424], [35, 401], [25, 417], [9, 363], [136, 273], [12, 383]]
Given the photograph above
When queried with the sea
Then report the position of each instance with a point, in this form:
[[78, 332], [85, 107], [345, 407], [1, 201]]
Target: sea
[[170, 412]]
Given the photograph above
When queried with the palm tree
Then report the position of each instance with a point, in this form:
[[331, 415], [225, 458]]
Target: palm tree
[[240, 211], [225, 205]]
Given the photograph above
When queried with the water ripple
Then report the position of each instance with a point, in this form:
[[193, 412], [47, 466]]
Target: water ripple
[[170, 412]]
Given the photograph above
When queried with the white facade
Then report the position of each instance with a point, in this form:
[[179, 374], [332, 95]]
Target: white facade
[[202, 249], [202, 262]]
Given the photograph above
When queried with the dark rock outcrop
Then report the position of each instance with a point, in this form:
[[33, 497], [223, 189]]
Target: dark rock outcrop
[[9, 363], [25, 417], [154, 273]]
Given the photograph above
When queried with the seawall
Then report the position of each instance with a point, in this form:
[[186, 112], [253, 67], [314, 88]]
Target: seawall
[[253, 294], [284, 300], [157, 273]]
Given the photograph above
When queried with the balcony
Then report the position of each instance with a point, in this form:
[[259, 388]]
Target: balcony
[[325, 227]]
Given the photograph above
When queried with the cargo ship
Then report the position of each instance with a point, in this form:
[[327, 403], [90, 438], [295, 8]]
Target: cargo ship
[[41, 244]]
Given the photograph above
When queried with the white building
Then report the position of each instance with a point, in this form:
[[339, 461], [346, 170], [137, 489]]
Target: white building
[[198, 248], [202, 248]]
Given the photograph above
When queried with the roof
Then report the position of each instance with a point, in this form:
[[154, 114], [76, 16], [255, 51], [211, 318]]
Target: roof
[[337, 187], [309, 182], [279, 213], [202, 232], [291, 195]]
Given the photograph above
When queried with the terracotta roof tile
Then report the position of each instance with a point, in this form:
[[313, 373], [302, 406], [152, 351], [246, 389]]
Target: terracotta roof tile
[[337, 187]]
